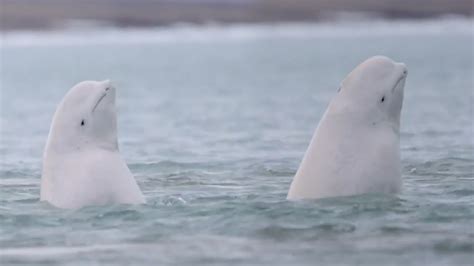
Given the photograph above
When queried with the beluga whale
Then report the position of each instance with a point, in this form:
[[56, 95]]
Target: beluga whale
[[356, 146], [82, 164]]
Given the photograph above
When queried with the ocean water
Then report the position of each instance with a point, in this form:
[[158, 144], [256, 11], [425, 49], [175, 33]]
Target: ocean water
[[213, 122]]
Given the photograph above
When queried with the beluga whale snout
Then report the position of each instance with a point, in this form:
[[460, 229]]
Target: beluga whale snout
[[355, 148], [82, 164]]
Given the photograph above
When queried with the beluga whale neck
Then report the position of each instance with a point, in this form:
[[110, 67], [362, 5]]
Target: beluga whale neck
[[355, 148], [82, 164]]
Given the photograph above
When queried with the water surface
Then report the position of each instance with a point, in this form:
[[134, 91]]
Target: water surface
[[213, 122]]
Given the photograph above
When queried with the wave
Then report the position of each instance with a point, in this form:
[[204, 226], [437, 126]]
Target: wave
[[185, 33]]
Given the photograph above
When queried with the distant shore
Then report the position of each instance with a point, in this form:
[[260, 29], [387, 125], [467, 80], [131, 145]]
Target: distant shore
[[53, 14]]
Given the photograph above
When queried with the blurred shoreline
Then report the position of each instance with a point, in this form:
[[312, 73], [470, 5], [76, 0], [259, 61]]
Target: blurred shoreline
[[60, 14], [238, 32]]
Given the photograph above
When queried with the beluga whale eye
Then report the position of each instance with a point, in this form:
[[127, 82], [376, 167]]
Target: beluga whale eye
[[383, 99], [83, 122]]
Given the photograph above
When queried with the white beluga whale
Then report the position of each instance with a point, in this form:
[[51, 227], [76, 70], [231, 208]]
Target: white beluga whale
[[355, 148], [81, 162]]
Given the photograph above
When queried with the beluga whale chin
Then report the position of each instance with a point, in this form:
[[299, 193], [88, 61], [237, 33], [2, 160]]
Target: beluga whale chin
[[355, 148], [81, 162]]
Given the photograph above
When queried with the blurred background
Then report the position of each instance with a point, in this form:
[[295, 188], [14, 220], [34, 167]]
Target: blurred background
[[47, 14]]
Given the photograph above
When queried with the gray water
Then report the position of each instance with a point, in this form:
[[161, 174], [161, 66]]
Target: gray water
[[213, 122]]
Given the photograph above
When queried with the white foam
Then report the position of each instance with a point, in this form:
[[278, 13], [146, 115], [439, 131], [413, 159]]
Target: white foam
[[184, 33]]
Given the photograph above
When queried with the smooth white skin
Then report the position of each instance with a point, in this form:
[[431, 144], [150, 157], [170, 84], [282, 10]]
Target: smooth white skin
[[81, 162], [355, 148]]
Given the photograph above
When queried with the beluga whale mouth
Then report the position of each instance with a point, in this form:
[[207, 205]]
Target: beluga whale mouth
[[402, 77], [100, 99], [108, 89]]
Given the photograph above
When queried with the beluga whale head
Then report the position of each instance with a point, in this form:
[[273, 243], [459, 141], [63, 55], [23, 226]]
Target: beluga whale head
[[374, 91], [85, 118], [356, 147], [81, 162]]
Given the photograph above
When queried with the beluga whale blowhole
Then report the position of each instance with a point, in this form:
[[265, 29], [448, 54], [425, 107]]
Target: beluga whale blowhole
[[355, 148], [82, 164]]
